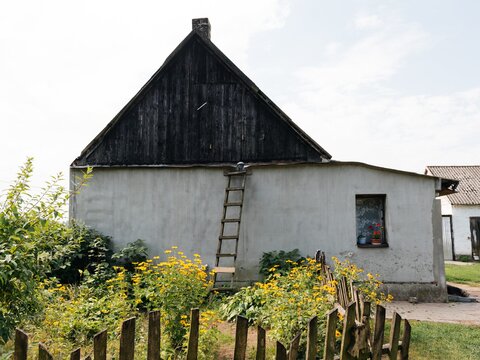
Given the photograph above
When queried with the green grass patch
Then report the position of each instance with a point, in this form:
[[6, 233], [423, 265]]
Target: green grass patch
[[463, 274], [442, 341]]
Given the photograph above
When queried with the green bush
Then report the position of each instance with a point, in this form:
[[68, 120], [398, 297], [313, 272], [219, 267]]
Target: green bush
[[284, 261]]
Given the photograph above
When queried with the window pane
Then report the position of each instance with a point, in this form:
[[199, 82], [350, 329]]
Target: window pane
[[369, 211]]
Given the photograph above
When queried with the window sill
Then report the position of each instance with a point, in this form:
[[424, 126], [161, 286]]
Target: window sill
[[370, 246]]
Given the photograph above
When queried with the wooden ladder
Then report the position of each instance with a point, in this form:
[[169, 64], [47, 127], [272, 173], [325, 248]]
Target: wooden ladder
[[230, 229]]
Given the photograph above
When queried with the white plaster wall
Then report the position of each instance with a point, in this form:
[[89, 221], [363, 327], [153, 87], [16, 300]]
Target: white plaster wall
[[446, 205], [461, 227], [308, 207]]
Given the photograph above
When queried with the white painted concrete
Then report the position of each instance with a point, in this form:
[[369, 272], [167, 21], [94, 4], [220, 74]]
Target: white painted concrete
[[461, 227], [308, 207]]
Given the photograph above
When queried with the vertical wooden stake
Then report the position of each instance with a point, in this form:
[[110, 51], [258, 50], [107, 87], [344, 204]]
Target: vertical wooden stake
[[394, 335], [75, 354], [43, 353], [378, 333], [100, 346], [153, 351], [312, 338], [281, 352], [293, 350], [329, 348], [192, 351], [127, 340], [241, 334], [406, 340], [261, 343], [348, 325], [21, 345]]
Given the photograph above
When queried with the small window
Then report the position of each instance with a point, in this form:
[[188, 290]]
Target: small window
[[370, 214]]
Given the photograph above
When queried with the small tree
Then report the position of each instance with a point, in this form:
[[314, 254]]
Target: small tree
[[33, 236]]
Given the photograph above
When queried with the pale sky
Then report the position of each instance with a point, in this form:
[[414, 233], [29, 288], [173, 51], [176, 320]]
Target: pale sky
[[390, 83]]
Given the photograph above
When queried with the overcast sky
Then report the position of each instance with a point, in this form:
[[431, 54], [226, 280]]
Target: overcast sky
[[390, 83]]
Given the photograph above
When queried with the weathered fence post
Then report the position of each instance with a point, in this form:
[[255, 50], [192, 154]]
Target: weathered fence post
[[43, 353], [153, 350], [100, 346], [127, 340], [261, 343], [75, 354], [293, 350], [192, 350], [378, 333], [21, 345], [280, 352], [406, 340], [312, 337], [394, 335], [329, 348], [241, 334], [349, 324]]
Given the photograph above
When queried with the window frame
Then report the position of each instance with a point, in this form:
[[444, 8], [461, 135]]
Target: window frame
[[383, 198]]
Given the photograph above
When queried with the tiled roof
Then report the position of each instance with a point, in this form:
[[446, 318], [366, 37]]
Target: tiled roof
[[468, 190]]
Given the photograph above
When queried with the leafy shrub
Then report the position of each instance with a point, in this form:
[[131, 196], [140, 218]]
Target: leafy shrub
[[282, 260], [91, 253], [134, 252]]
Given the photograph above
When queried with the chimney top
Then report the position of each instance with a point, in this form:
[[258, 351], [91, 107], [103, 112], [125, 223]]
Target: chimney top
[[202, 27]]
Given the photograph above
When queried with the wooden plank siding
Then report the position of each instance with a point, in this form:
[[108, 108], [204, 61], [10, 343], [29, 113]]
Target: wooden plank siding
[[200, 109]]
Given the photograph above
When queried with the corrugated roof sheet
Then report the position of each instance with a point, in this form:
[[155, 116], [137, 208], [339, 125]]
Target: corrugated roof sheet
[[468, 190]]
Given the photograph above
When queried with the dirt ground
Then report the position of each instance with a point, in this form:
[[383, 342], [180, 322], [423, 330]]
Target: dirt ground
[[453, 312]]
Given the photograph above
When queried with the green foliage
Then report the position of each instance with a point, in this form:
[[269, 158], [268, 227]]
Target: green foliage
[[32, 238], [282, 260], [90, 252], [134, 252]]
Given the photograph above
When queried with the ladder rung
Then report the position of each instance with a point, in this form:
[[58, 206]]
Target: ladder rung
[[234, 203], [230, 220], [225, 270], [228, 237], [235, 188], [226, 255], [233, 173]]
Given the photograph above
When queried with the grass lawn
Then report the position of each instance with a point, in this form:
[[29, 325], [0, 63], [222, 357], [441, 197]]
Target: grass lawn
[[463, 274], [442, 341]]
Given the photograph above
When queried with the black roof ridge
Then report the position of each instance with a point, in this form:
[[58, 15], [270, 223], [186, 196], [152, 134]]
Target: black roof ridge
[[92, 145]]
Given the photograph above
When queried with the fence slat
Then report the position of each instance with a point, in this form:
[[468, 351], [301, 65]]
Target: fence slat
[[192, 351], [330, 340], [153, 349], [261, 343], [406, 340], [75, 354], [100, 346], [21, 345], [241, 334], [127, 340], [395, 335], [280, 352], [43, 353], [378, 333], [349, 323], [312, 339], [293, 350]]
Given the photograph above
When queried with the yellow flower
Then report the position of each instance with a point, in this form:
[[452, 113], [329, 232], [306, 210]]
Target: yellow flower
[[168, 251]]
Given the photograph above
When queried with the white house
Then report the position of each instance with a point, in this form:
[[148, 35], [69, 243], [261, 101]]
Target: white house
[[159, 175], [460, 211]]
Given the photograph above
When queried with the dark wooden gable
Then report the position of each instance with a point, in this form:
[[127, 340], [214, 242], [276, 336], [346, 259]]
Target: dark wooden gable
[[199, 109]]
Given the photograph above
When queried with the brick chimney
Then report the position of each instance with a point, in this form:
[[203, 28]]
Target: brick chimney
[[202, 27]]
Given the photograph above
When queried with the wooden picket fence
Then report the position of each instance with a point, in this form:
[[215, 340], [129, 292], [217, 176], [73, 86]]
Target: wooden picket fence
[[356, 341]]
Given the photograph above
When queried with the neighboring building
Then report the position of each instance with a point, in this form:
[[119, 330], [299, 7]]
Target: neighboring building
[[159, 176], [460, 211]]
